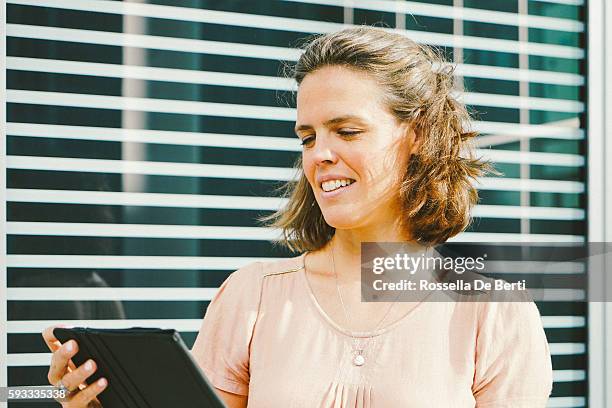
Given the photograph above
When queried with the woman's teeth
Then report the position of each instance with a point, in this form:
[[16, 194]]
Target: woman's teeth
[[335, 184]]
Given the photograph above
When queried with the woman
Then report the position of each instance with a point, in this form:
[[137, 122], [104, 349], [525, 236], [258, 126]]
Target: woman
[[385, 159]]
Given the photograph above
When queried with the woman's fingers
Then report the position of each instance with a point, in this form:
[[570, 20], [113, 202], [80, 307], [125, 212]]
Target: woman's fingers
[[86, 395], [60, 361], [74, 378], [53, 343], [50, 339]]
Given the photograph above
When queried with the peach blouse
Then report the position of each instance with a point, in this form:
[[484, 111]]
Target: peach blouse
[[265, 335]]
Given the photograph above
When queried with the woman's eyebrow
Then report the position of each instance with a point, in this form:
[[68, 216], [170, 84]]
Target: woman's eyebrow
[[333, 121]]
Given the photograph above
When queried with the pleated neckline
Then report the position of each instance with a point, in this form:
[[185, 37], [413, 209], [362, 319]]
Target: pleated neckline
[[340, 395]]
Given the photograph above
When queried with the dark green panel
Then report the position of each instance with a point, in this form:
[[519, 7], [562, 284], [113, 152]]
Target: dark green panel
[[146, 278], [493, 58], [566, 335], [490, 30], [57, 310], [558, 146], [540, 117], [557, 227], [557, 172], [91, 149], [511, 146], [222, 33], [85, 84], [90, 181], [500, 225], [493, 86], [492, 114], [570, 39], [60, 115], [49, 147], [76, 245], [211, 62], [43, 81], [443, 2], [564, 200], [569, 389], [555, 308], [63, 50], [494, 197], [570, 362], [572, 66], [306, 11], [46, 212], [509, 6], [74, 51], [429, 24], [570, 92], [549, 9], [509, 170], [59, 17], [373, 17]]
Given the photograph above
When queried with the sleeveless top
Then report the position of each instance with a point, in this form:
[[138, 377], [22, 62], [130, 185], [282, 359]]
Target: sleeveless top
[[265, 335]]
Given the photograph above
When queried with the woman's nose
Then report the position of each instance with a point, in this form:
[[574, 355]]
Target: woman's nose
[[324, 152]]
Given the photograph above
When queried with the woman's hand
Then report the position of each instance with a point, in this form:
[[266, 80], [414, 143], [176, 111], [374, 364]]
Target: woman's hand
[[73, 378]]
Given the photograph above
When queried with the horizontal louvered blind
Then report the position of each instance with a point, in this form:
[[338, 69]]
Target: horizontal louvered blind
[[143, 139]]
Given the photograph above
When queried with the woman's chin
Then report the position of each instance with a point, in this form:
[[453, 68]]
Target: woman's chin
[[341, 221]]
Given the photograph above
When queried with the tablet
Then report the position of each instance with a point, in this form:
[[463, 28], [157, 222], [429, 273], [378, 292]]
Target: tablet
[[145, 367]]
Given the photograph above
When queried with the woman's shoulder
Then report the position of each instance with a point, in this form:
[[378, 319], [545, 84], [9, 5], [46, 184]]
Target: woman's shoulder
[[242, 289], [270, 267], [508, 307], [258, 270]]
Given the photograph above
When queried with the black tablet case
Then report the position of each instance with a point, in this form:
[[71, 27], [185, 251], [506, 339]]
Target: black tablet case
[[145, 368]]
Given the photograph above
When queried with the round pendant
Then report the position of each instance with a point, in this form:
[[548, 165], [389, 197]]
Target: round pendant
[[359, 360]]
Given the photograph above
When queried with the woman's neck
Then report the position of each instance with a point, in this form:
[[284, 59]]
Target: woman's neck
[[346, 246]]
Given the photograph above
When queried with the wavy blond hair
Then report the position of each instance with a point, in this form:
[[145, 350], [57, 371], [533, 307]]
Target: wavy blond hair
[[436, 193]]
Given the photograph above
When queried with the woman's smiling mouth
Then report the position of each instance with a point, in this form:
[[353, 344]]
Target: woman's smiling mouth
[[332, 188], [332, 185]]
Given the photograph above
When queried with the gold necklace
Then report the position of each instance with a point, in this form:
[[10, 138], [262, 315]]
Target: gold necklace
[[357, 352]]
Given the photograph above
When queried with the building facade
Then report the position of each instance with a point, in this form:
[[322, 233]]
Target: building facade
[[144, 138]]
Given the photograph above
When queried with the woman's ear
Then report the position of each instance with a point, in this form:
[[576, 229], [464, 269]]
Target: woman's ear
[[413, 141]]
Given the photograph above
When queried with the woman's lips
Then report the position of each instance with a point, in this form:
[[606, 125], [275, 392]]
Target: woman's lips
[[338, 191]]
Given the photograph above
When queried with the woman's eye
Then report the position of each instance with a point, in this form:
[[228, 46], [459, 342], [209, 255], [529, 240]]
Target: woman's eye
[[348, 132], [307, 140]]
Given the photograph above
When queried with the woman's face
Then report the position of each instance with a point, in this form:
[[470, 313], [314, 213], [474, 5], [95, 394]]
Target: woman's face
[[349, 136]]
